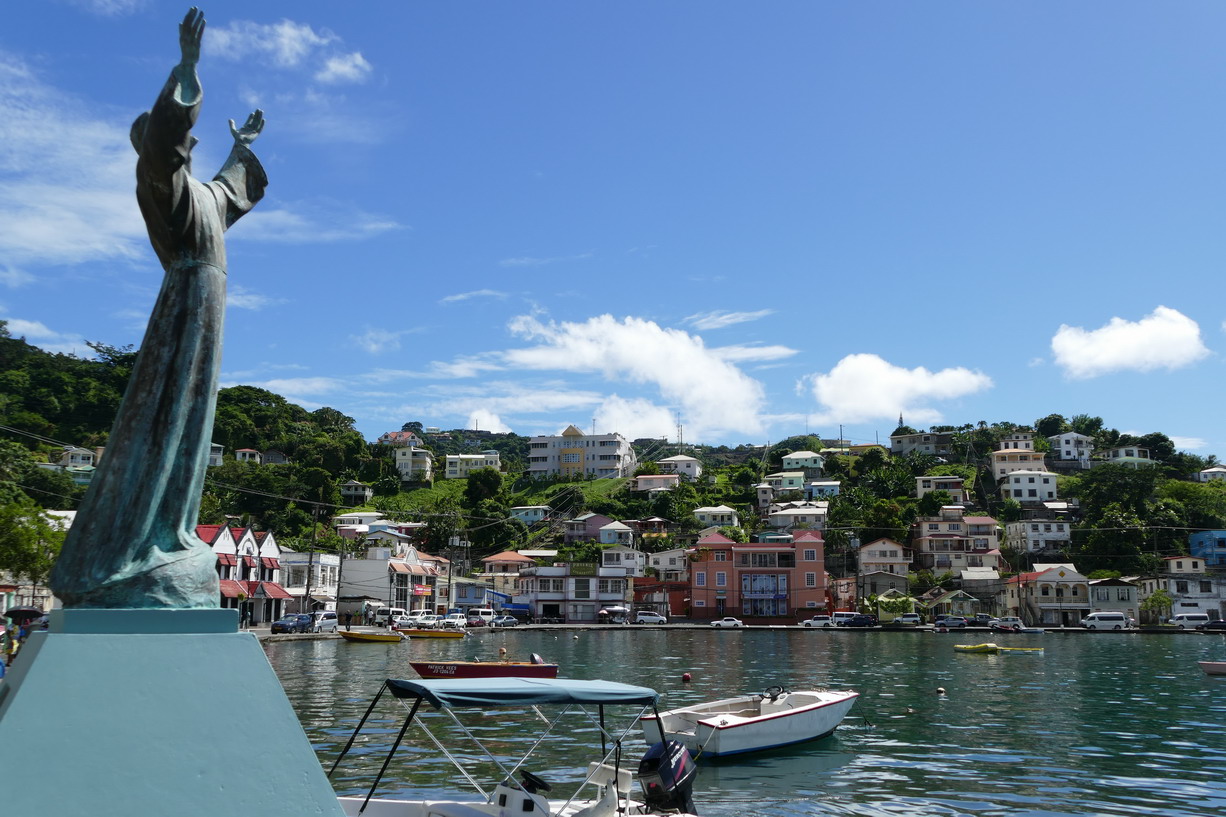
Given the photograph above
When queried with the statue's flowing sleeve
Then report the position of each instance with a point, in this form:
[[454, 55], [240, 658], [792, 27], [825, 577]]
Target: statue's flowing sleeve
[[241, 181], [162, 177]]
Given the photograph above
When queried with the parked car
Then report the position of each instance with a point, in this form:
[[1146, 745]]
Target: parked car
[[324, 622], [951, 621], [475, 621], [385, 614], [818, 621], [860, 620], [504, 621], [910, 619], [1006, 623], [292, 623], [1217, 624], [649, 617], [727, 621], [453, 621], [428, 621], [980, 620]]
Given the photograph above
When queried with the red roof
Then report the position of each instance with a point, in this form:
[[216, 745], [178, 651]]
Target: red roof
[[208, 533], [979, 520], [715, 539], [227, 559], [270, 562], [249, 561], [231, 589], [808, 536], [275, 591]]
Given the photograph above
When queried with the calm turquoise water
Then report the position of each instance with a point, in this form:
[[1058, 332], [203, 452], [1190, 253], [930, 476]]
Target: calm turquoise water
[[1101, 724]]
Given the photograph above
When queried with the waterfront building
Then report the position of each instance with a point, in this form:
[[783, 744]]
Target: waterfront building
[[459, 466], [501, 571], [758, 580], [398, 575], [1190, 585], [1115, 596], [634, 561], [573, 591], [324, 572], [249, 570], [880, 582], [689, 468], [575, 454], [1052, 595], [670, 565]]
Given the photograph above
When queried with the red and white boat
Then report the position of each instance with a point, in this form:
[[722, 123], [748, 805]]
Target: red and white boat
[[536, 668]]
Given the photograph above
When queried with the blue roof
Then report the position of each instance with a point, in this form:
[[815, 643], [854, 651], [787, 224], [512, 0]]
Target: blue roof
[[452, 692]]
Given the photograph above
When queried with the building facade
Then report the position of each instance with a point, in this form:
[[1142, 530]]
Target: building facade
[[573, 454]]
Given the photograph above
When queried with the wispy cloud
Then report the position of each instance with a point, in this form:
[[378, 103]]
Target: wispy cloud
[[311, 223], [864, 387], [344, 68], [110, 8], [753, 354], [466, 366], [67, 199], [1189, 443], [719, 319], [378, 341], [12, 277], [241, 298], [531, 261], [44, 337], [714, 395], [285, 44], [1164, 339], [476, 293]]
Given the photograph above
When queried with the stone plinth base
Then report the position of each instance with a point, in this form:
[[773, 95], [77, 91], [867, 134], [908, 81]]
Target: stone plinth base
[[117, 713]]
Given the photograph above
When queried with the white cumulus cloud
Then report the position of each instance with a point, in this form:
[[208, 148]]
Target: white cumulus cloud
[[486, 420], [285, 44], [634, 418], [1164, 339], [713, 395], [344, 68], [863, 387]]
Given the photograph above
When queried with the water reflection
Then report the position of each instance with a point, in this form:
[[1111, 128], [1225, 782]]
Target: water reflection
[[1096, 725]]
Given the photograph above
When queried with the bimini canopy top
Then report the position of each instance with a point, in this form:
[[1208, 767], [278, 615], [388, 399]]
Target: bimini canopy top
[[453, 692]]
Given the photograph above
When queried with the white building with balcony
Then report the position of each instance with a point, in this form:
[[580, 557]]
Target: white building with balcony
[[459, 466], [1038, 535], [414, 464], [573, 592], [1072, 447], [688, 467], [718, 515], [1029, 486], [575, 454]]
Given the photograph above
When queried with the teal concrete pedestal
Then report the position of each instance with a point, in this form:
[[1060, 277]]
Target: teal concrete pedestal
[[120, 713]]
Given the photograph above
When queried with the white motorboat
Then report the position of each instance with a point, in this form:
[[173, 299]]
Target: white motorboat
[[666, 772], [751, 723]]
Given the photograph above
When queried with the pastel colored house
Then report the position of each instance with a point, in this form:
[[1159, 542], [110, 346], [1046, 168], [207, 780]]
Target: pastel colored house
[[719, 516], [953, 541], [803, 461], [757, 580], [616, 533], [1211, 473], [634, 561], [414, 464], [572, 592], [822, 488], [1209, 545], [584, 528], [531, 514], [575, 454], [1051, 595], [459, 466], [952, 485], [802, 515], [1129, 455], [884, 555], [1038, 535], [656, 482]]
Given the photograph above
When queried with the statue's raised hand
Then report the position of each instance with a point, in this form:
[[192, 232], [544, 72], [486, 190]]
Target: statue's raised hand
[[250, 129], [191, 32]]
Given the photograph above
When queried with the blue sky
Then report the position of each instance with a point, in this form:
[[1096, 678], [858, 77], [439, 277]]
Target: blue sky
[[752, 219]]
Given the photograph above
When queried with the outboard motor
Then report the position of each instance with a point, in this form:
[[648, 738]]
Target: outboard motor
[[666, 774]]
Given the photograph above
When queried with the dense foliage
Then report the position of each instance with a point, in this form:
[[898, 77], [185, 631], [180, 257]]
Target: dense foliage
[[1127, 517]]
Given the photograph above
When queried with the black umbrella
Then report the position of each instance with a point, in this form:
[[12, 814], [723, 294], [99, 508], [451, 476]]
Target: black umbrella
[[24, 613]]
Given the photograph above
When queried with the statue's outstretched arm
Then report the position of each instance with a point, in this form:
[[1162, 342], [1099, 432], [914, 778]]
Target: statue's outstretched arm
[[250, 130], [191, 33]]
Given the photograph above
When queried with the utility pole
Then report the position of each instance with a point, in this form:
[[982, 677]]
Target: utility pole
[[306, 596]]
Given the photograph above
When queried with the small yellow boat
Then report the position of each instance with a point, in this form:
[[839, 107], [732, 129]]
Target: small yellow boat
[[993, 648], [370, 637], [415, 633]]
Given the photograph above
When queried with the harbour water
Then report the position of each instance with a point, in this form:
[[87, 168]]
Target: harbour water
[[1105, 724]]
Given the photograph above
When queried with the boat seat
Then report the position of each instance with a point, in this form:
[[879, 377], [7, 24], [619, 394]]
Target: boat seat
[[603, 774]]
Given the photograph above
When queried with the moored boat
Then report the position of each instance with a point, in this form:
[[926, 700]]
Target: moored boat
[[412, 632], [666, 772], [751, 723], [993, 648], [536, 668], [1213, 667], [367, 637]]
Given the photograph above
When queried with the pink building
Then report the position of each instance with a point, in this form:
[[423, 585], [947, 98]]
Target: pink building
[[769, 582]]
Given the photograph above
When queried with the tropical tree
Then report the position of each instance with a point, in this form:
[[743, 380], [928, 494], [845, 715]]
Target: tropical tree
[[1158, 604]]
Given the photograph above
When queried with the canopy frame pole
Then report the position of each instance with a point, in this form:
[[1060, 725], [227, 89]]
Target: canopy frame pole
[[361, 723], [387, 760]]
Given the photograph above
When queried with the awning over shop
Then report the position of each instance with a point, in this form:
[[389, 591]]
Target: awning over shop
[[322, 597], [227, 559], [249, 561], [272, 590], [270, 563], [231, 589], [398, 567]]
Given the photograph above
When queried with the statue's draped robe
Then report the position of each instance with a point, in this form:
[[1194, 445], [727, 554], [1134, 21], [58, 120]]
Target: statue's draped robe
[[133, 543]]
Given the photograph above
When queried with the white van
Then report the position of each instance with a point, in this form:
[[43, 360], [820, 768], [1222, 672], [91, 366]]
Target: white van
[[383, 614], [1185, 621], [1104, 620], [840, 618], [486, 614]]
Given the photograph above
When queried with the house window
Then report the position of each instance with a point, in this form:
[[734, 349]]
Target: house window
[[721, 579], [1102, 594], [583, 588], [1206, 587], [1045, 591], [700, 579], [810, 580], [1123, 594], [721, 556], [1181, 587], [810, 555]]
